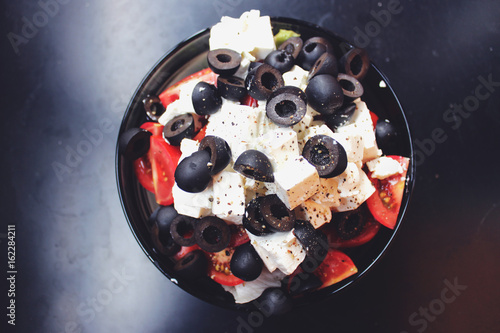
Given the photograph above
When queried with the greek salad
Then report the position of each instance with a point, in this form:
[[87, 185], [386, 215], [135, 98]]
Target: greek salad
[[267, 164]]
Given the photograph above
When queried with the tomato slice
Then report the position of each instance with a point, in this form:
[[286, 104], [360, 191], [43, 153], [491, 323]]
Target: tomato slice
[[250, 101], [154, 128], [142, 168], [219, 269], [385, 203], [374, 119], [336, 267], [172, 93], [164, 159], [201, 134], [369, 231], [185, 250], [238, 235]]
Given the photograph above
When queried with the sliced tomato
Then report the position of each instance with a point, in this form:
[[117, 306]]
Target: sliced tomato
[[172, 93], [238, 235], [219, 269], [201, 134], [185, 250], [369, 231], [374, 119], [336, 267], [142, 168], [250, 101], [164, 159], [154, 128], [385, 203]]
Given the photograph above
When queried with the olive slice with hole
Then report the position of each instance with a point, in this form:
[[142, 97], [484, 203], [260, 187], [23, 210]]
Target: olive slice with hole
[[253, 220], [292, 45], [182, 230], [231, 88], [224, 62], [326, 64], [220, 153], [192, 266], [254, 164], [153, 106], [313, 240], [262, 81], [212, 234], [350, 224], [134, 143], [355, 63], [312, 49], [160, 233], [340, 117], [286, 106], [193, 174], [281, 60], [351, 87], [326, 154], [246, 263], [206, 99], [178, 128], [276, 214], [324, 94]]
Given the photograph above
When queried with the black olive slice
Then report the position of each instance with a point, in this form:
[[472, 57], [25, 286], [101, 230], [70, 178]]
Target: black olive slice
[[182, 230], [220, 153], [134, 143], [231, 88], [206, 99], [153, 106], [254, 164], [351, 223], [312, 49], [286, 106], [292, 45], [245, 263], [274, 302], [178, 128], [212, 234], [193, 174], [340, 117], [276, 214], [313, 240], [192, 266], [224, 62], [253, 65], [160, 232], [326, 64], [387, 136], [355, 63], [262, 81], [253, 220], [324, 94], [281, 60], [326, 154], [303, 283], [351, 87]]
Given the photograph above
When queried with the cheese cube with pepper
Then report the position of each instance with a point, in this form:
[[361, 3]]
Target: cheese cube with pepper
[[280, 145], [229, 196]]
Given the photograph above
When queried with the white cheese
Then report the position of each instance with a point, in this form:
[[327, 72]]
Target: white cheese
[[250, 33], [193, 204], [279, 250], [248, 291], [296, 77], [328, 194], [182, 105], [280, 145], [304, 124], [296, 181], [361, 124], [354, 188], [316, 213], [353, 145], [384, 167], [229, 196], [188, 147], [313, 131]]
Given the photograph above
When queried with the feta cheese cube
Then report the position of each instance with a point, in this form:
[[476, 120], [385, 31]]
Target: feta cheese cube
[[296, 181], [279, 250], [353, 145], [354, 188], [188, 147], [313, 131], [296, 77], [328, 194], [229, 196], [193, 204], [280, 145], [384, 167], [316, 213], [304, 124]]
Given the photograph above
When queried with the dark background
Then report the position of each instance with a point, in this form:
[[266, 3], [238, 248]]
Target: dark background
[[79, 266]]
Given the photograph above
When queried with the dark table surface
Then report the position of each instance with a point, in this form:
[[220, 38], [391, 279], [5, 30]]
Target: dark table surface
[[70, 67]]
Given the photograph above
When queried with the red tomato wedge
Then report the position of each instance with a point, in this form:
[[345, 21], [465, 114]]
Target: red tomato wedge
[[172, 93], [238, 235], [201, 134], [369, 231], [250, 101], [374, 119], [385, 203], [336, 267], [154, 128], [185, 250], [164, 159], [142, 168], [219, 269]]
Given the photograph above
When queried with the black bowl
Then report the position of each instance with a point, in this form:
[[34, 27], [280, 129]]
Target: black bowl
[[190, 56]]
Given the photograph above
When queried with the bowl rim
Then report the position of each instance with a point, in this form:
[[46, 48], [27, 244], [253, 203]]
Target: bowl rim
[[321, 294]]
